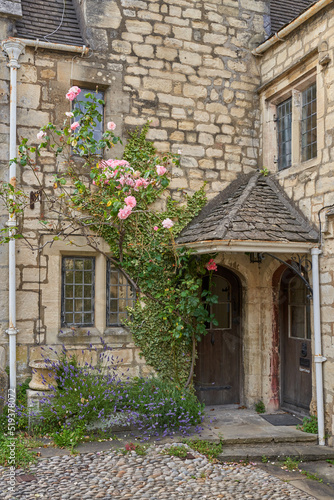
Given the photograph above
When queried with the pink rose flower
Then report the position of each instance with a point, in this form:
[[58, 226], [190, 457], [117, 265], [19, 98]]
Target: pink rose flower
[[161, 170], [155, 228], [72, 93], [211, 265], [75, 125], [167, 223], [124, 212], [41, 134], [111, 126], [130, 201], [69, 114]]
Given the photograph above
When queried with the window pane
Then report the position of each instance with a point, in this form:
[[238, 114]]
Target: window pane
[[297, 322], [98, 127], [284, 119], [75, 309], [309, 123], [222, 315], [119, 296]]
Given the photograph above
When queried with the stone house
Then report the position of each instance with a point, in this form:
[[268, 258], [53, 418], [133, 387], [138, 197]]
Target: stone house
[[239, 87]]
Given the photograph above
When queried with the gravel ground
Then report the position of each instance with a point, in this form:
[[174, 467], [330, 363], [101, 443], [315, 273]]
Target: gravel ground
[[157, 476]]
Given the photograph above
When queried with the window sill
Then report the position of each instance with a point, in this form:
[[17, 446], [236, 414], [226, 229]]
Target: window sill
[[79, 331], [116, 331], [298, 167]]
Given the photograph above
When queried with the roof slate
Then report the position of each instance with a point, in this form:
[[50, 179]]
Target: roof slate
[[42, 17], [253, 208], [282, 12]]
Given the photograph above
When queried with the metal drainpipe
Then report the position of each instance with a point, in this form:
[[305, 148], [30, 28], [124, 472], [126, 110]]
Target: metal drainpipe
[[318, 358], [13, 51]]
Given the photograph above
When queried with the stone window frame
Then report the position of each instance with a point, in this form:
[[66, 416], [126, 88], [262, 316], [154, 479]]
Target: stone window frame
[[289, 85], [51, 292]]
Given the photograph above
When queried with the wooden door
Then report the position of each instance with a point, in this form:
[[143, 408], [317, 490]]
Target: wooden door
[[296, 355], [218, 367]]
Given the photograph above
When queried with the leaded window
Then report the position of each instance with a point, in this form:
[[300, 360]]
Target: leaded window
[[120, 295], [309, 123], [98, 127], [284, 121], [78, 291], [299, 310]]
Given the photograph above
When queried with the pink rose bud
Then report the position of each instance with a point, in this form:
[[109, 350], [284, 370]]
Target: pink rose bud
[[75, 125], [161, 170], [41, 134], [111, 126], [155, 228], [130, 201], [69, 114], [167, 223]]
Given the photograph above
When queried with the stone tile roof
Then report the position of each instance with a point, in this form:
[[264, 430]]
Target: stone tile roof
[[42, 17], [282, 12], [252, 208]]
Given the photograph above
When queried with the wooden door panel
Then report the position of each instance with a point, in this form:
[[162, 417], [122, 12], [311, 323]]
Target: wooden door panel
[[217, 373], [296, 355]]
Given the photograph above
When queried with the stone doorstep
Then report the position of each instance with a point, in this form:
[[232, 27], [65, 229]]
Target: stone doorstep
[[305, 452]]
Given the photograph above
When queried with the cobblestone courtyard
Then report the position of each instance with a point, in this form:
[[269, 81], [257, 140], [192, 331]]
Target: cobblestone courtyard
[[157, 476]]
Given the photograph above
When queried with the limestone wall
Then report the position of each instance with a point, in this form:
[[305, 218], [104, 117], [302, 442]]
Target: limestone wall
[[287, 66]]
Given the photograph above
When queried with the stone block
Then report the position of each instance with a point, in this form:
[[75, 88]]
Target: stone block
[[143, 50], [103, 15], [157, 84], [166, 53], [190, 58], [206, 139], [195, 91], [175, 101], [182, 33], [121, 46], [28, 95], [140, 27]]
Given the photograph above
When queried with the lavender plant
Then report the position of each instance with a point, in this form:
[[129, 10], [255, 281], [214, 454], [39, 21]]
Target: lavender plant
[[86, 393]]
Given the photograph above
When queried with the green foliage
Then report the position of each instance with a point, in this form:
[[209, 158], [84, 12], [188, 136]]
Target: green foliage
[[138, 150], [67, 437], [260, 408], [210, 450], [312, 476], [310, 425], [264, 459], [291, 464], [177, 450], [23, 456]]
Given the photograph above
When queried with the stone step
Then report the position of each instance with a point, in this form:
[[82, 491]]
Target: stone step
[[276, 451], [259, 438]]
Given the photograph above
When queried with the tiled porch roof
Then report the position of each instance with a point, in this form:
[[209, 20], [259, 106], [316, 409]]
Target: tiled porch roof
[[252, 208], [42, 17]]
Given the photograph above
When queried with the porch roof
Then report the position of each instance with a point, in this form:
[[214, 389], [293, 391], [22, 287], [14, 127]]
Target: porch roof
[[252, 212], [41, 18]]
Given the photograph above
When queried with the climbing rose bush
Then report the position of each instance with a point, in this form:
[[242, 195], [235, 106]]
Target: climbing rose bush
[[113, 198]]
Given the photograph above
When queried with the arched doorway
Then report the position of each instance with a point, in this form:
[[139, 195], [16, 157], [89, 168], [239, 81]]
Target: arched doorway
[[295, 344], [218, 367]]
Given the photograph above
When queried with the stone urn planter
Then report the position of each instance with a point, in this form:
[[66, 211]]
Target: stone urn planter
[[43, 375]]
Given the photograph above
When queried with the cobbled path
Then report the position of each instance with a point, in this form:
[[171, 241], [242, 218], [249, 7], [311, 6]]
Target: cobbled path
[[157, 476]]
